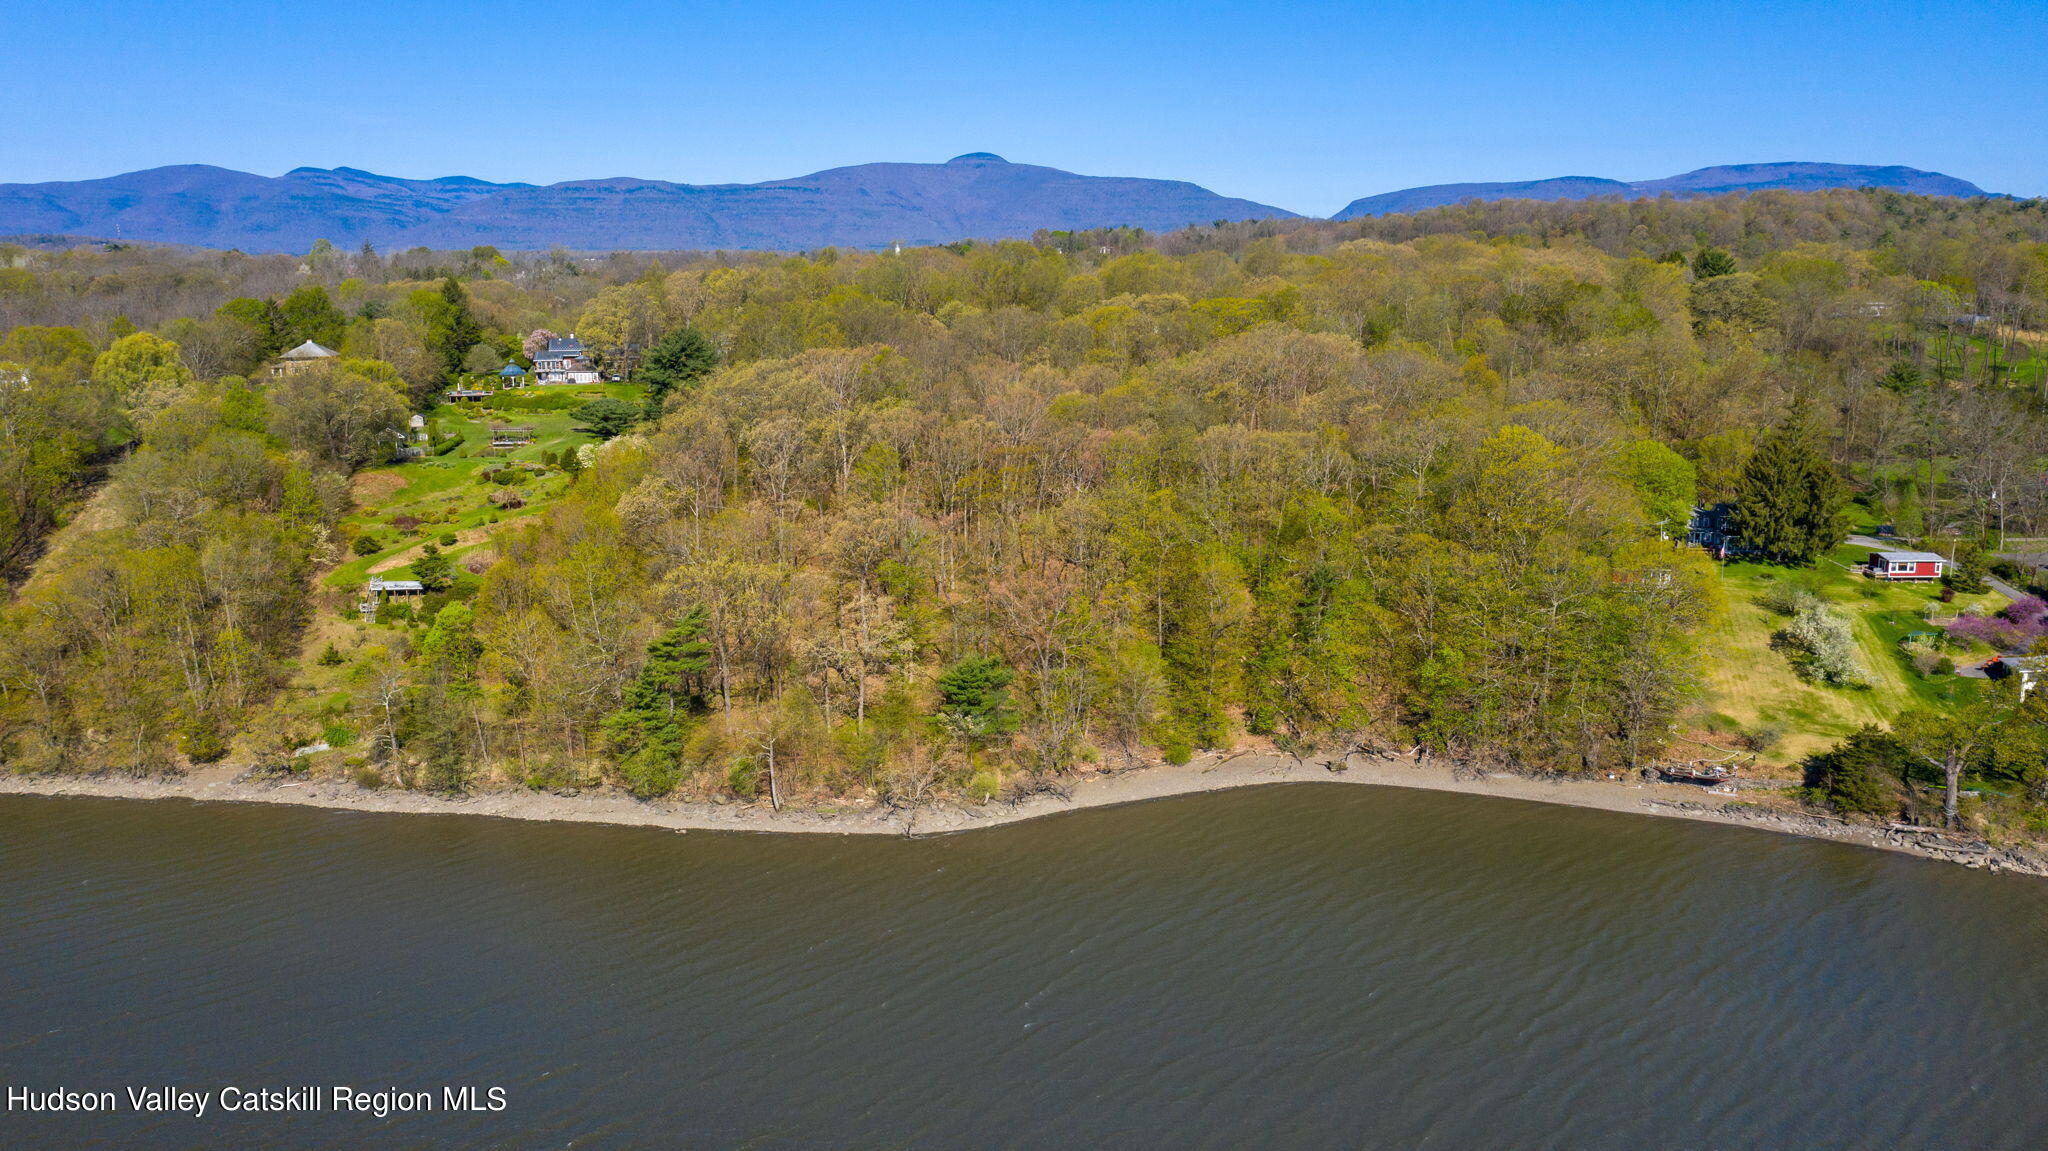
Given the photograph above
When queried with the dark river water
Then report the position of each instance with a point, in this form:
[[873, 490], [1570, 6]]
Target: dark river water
[[1311, 966]]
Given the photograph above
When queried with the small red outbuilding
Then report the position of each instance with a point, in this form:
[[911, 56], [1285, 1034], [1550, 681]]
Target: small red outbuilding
[[1905, 565]]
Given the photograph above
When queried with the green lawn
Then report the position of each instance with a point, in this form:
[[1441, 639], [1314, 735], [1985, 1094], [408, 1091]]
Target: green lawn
[[1751, 683], [443, 493]]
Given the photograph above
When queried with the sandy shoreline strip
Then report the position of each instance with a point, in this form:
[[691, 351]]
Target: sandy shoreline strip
[[1210, 773]]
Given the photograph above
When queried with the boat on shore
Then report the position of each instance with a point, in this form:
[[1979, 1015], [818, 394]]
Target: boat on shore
[[1708, 774]]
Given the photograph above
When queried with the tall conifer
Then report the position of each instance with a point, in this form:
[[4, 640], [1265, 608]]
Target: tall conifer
[[1789, 499]]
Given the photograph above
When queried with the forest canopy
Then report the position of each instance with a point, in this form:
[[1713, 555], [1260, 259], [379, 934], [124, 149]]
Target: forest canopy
[[971, 516]]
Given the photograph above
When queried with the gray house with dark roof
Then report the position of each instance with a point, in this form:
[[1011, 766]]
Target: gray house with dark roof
[[564, 361]]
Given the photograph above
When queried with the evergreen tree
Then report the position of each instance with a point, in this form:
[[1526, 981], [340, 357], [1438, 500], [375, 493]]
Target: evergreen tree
[[668, 682], [434, 570], [678, 358], [1788, 501], [974, 698], [448, 328], [1708, 263], [646, 735], [607, 417], [1967, 574], [1861, 774]]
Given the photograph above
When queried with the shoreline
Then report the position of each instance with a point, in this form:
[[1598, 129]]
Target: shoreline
[[1209, 773]]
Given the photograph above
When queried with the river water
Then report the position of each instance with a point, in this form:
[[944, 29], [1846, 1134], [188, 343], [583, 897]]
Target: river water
[[1309, 966]]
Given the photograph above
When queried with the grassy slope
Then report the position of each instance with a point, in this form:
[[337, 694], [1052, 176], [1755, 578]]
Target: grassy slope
[[429, 489], [1754, 685]]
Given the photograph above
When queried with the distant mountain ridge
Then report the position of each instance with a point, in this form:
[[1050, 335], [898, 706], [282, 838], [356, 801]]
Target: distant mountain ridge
[[978, 196], [1797, 176], [975, 196]]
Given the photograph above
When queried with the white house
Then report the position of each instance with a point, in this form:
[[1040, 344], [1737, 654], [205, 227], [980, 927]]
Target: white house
[[564, 361]]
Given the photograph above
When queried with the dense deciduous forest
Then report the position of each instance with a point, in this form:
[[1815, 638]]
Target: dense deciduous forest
[[960, 519]]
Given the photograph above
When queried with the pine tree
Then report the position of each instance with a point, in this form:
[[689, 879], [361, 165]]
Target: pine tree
[[678, 358], [1708, 263], [646, 735], [454, 331], [1788, 501], [436, 572], [974, 699]]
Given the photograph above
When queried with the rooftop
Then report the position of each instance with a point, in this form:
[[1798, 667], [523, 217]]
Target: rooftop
[[309, 351], [1911, 557]]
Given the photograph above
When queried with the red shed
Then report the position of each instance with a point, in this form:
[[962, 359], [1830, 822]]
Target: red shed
[[1906, 565]]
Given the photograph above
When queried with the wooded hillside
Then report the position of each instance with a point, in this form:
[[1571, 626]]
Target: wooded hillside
[[959, 519]]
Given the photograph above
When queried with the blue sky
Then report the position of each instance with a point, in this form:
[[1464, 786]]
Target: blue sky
[[1306, 105]]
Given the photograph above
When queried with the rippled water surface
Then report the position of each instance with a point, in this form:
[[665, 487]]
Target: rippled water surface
[[1312, 966]]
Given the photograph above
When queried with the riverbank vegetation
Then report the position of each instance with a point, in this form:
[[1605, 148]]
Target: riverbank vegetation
[[961, 520]]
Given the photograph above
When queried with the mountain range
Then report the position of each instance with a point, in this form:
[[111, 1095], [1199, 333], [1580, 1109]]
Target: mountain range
[[1796, 176], [976, 196]]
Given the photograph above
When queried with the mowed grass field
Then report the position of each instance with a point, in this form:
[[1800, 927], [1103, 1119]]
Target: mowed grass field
[[1754, 685], [442, 492]]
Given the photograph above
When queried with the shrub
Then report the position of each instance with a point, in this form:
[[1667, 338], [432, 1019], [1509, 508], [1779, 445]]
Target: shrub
[[365, 776], [2021, 623], [330, 657], [1922, 655], [447, 539], [366, 545], [1822, 647], [1787, 597], [984, 786], [338, 735], [1176, 749], [743, 776], [607, 417]]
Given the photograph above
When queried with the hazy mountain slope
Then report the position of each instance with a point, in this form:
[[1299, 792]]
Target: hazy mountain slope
[[974, 196], [1792, 175]]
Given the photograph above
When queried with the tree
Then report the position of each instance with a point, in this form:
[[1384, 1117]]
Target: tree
[[1823, 647], [144, 370], [607, 417], [446, 325], [681, 357], [974, 699], [1861, 774], [482, 359], [51, 355], [341, 414], [1788, 501], [646, 735], [446, 711], [1664, 481], [436, 572], [1946, 741], [306, 314], [1708, 263], [1967, 574]]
